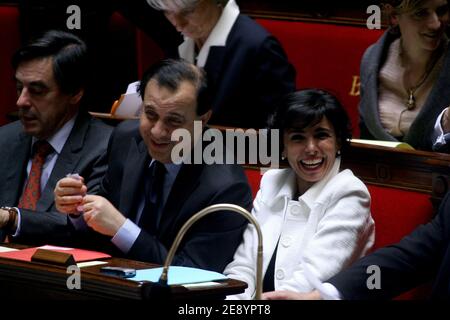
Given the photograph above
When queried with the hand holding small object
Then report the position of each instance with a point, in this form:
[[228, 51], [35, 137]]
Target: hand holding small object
[[69, 194]]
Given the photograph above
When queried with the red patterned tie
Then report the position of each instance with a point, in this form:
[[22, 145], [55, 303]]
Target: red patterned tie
[[32, 191]]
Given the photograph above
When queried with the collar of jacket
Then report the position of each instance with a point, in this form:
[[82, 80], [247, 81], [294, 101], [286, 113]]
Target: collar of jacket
[[280, 184]]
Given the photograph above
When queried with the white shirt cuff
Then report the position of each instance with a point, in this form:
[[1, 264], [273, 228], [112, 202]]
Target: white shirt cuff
[[438, 133], [126, 236], [331, 293], [19, 221]]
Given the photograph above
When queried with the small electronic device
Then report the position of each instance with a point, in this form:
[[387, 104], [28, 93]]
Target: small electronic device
[[119, 272]]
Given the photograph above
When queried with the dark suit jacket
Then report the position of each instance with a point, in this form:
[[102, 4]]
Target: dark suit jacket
[[212, 241], [249, 75], [83, 153], [420, 132], [422, 256]]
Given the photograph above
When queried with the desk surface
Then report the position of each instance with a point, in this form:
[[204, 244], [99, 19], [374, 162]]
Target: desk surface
[[25, 280]]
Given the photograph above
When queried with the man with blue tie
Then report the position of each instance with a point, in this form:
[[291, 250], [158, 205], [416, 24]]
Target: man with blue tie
[[54, 137], [145, 198]]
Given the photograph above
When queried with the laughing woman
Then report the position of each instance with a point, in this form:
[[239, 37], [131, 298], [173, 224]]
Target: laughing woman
[[313, 215]]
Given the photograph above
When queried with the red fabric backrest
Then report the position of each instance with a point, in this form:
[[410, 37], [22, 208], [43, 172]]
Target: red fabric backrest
[[147, 52], [254, 179], [397, 212], [10, 37], [326, 56]]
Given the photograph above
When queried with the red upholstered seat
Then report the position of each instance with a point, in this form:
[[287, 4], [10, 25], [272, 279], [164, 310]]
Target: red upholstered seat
[[397, 212], [148, 52], [254, 179], [10, 37], [326, 56]]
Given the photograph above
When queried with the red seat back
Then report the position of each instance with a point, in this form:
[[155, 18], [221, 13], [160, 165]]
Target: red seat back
[[326, 56], [397, 212]]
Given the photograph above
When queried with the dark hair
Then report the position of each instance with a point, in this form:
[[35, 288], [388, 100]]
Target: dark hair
[[170, 73], [69, 53], [306, 108]]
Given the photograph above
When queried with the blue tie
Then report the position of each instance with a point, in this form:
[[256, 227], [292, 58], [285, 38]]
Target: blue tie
[[154, 183]]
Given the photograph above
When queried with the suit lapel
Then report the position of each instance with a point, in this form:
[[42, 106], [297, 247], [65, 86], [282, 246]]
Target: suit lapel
[[67, 161], [16, 169], [136, 161], [184, 185]]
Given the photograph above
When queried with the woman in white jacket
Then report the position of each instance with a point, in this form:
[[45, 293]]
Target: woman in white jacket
[[312, 215]]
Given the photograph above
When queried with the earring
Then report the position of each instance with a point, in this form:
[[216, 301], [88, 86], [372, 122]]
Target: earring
[[283, 156], [338, 153]]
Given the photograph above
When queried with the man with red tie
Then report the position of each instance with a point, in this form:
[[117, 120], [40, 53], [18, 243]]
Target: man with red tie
[[54, 137]]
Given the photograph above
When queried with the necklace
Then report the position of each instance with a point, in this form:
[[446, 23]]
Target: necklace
[[411, 102]]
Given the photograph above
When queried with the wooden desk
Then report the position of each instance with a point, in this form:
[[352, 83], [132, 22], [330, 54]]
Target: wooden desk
[[414, 170], [36, 281]]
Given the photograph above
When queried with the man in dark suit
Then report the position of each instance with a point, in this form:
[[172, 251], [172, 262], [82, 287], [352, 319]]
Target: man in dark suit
[[50, 74], [421, 256], [174, 95]]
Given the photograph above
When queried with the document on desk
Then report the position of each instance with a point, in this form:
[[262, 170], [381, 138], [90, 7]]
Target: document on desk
[[6, 249], [178, 275], [129, 103], [78, 254]]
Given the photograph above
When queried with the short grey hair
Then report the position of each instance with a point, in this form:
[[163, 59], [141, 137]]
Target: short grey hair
[[164, 5]]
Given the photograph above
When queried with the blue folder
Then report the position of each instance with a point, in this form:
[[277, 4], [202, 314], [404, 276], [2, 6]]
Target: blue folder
[[178, 275]]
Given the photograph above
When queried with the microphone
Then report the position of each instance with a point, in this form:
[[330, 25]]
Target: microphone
[[213, 208]]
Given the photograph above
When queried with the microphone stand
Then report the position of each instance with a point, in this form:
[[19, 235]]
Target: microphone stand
[[201, 214]]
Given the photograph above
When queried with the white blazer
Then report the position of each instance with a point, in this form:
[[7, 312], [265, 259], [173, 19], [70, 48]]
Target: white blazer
[[330, 226]]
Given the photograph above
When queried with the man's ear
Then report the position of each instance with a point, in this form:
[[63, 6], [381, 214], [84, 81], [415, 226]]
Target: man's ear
[[76, 97], [205, 117]]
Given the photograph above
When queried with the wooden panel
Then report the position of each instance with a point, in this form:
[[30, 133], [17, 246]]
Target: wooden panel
[[337, 12]]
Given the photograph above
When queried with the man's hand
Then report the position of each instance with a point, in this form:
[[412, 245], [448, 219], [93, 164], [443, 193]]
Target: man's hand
[[291, 295], [445, 121], [69, 193], [4, 218], [101, 215]]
